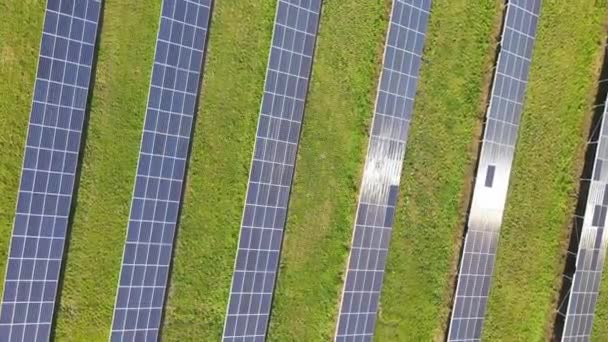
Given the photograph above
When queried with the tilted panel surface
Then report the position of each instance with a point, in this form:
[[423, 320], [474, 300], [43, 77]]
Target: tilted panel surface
[[494, 168], [591, 249], [382, 172], [174, 86], [272, 167], [49, 169]]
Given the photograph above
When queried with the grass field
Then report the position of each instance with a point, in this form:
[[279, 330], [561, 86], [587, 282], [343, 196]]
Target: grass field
[[219, 165], [600, 328], [449, 108]]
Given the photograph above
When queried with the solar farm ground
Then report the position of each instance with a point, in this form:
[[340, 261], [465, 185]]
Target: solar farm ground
[[441, 155], [548, 162]]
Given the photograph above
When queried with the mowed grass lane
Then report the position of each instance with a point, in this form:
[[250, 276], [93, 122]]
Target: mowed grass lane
[[547, 166], [441, 153], [600, 328], [328, 170], [20, 32], [219, 165], [126, 48]]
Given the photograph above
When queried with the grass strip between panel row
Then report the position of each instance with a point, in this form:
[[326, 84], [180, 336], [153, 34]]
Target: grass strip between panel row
[[450, 105], [219, 165], [92, 265], [328, 170]]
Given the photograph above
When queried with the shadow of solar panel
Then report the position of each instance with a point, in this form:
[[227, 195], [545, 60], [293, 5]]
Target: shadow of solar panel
[[174, 86], [591, 249], [380, 184], [49, 168], [494, 168], [270, 177]]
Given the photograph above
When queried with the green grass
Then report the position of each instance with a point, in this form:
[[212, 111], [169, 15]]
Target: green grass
[[428, 225], [552, 136], [331, 152], [599, 331], [20, 32], [126, 49]]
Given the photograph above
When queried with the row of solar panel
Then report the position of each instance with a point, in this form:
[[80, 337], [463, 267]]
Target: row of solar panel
[[53, 144]]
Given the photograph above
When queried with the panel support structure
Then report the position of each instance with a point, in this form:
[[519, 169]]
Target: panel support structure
[[591, 248]]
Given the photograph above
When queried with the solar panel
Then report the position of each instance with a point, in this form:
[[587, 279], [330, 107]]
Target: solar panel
[[494, 168], [591, 249], [272, 166], [174, 86], [49, 168], [382, 172]]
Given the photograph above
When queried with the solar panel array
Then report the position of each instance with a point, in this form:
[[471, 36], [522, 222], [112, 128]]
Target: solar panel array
[[49, 169], [174, 86], [272, 167], [490, 192], [592, 248], [380, 184]]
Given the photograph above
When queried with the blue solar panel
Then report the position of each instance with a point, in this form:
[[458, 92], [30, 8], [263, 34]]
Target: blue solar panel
[[492, 181], [174, 86], [49, 167], [382, 172], [591, 249], [270, 177]]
